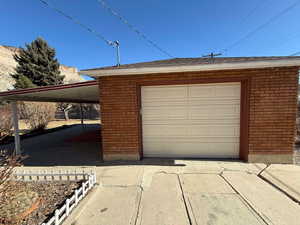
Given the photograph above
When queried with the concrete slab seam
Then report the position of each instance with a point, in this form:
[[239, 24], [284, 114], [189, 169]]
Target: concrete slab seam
[[247, 202], [278, 188], [138, 212], [186, 173], [231, 170], [192, 209], [182, 173], [275, 186], [184, 200], [138, 200], [263, 170], [251, 209]]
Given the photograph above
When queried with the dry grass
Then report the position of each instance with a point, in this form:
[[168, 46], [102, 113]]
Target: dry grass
[[5, 121], [35, 201], [37, 114], [59, 123]]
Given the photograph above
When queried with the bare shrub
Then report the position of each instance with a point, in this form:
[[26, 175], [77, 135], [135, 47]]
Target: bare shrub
[[5, 121], [37, 114], [8, 161], [65, 108], [97, 109], [89, 111], [7, 164], [8, 187]]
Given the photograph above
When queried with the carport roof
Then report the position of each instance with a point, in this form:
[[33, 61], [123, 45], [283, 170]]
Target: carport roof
[[83, 92]]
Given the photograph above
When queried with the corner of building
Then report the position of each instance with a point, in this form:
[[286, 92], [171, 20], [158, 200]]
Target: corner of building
[[271, 158]]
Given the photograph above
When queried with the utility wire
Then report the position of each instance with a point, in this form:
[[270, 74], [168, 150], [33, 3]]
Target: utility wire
[[253, 10], [294, 54], [110, 43], [262, 26], [125, 21]]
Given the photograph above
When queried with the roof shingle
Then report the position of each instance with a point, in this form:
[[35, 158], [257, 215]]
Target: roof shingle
[[193, 61]]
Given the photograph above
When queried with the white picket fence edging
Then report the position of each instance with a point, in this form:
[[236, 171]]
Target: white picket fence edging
[[70, 203], [28, 175]]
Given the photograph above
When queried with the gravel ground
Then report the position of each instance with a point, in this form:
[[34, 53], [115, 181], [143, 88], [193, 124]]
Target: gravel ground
[[51, 195]]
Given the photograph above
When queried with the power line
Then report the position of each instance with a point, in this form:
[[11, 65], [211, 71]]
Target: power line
[[115, 44], [242, 21], [77, 22], [125, 21], [262, 26], [294, 54], [252, 11]]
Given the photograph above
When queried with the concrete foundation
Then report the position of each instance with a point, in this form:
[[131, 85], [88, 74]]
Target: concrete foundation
[[252, 158], [271, 158], [115, 157]]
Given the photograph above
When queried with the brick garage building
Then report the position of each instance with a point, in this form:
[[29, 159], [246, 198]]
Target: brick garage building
[[237, 108], [242, 108]]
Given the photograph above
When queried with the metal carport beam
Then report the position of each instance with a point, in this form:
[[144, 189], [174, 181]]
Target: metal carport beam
[[83, 92]]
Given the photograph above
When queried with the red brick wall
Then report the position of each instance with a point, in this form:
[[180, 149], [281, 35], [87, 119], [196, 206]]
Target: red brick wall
[[272, 107]]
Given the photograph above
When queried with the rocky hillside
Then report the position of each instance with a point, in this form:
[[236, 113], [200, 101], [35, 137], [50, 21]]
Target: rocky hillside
[[8, 64]]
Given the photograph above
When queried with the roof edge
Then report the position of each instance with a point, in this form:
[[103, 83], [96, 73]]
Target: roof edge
[[193, 68], [48, 88]]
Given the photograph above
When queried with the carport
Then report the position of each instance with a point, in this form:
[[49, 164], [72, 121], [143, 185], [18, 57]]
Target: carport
[[83, 92]]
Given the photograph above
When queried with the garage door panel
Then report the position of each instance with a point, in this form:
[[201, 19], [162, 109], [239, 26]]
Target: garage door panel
[[191, 139], [228, 91], [213, 116], [191, 150], [150, 103], [201, 91], [213, 131], [165, 130], [200, 120], [215, 111], [191, 130], [217, 121], [213, 90], [192, 113], [164, 103], [165, 113], [167, 92], [213, 101], [214, 121]]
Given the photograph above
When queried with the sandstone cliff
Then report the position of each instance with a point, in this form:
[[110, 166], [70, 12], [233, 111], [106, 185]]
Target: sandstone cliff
[[8, 64]]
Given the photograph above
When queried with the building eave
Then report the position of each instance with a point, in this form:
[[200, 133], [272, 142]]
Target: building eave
[[193, 68]]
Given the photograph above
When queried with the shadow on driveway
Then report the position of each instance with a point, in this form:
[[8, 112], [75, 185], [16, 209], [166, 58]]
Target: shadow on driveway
[[79, 146], [73, 146]]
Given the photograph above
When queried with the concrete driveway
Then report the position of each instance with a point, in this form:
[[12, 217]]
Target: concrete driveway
[[73, 146], [184, 192]]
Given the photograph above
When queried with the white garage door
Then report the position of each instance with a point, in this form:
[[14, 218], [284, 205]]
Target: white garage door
[[191, 121]]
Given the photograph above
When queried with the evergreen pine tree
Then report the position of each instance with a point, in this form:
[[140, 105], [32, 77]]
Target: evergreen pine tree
[[37, 66], [24, 82]]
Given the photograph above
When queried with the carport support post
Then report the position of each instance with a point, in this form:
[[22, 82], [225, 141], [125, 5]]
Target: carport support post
[[81, 115], [15, 118]]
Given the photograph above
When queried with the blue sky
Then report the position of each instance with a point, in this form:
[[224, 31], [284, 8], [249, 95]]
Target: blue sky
[[183, 28]]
